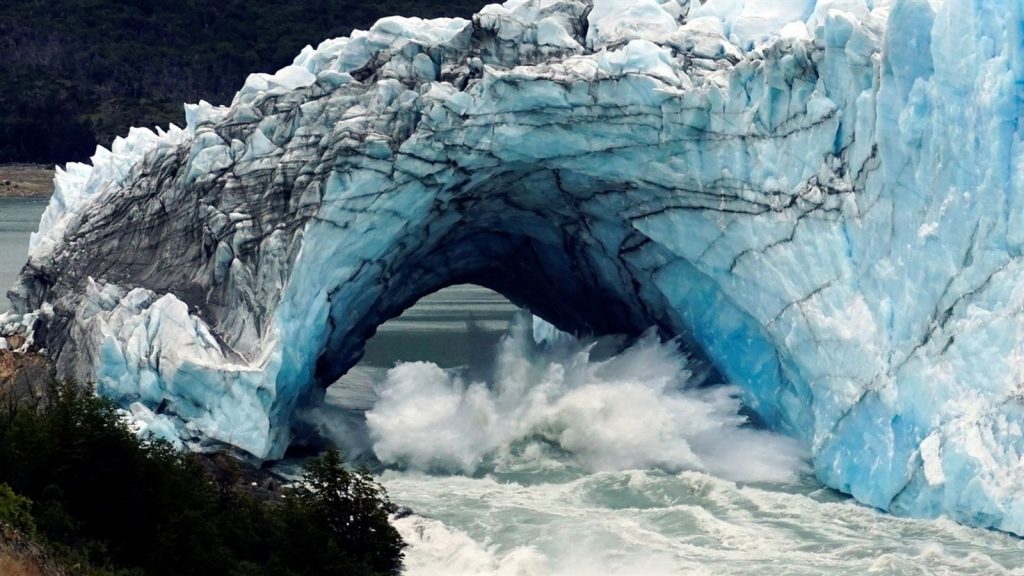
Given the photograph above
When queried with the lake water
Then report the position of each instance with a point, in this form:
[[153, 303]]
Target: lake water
[[19, 217], [549, 465]]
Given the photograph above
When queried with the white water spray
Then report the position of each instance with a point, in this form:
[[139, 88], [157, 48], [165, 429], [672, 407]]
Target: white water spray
[[638, 409], [587, 465]]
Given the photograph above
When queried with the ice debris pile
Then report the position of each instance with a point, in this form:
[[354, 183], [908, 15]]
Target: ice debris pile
[[824, 198]]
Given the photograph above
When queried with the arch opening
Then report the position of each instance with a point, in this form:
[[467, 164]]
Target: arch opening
[[463, 382], [567, 248], [546, 240]]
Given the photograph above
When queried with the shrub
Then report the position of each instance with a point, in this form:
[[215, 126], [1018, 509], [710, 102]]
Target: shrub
[[16, 510], [106, 499]]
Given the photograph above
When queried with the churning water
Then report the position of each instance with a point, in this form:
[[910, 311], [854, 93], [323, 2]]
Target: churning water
[[525, 460]]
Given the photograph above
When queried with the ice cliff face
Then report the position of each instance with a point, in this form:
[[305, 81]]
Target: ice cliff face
[[825, 198]]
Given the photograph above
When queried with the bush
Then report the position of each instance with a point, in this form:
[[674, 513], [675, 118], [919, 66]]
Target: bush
[[15, 510], [106, 499]]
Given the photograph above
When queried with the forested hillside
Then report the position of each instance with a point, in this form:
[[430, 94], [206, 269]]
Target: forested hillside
[[76, 73]]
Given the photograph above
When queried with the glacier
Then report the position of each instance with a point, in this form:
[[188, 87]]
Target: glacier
[[823, 199]]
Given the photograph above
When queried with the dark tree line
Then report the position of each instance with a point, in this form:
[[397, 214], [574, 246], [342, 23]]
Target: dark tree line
[[77, 73]]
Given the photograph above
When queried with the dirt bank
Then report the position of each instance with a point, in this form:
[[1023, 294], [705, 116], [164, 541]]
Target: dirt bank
[[25, 181]]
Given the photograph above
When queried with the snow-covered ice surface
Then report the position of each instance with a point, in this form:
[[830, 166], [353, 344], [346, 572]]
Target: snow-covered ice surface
[[822, 198]]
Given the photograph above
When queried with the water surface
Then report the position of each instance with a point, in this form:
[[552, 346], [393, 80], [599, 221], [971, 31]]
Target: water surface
[[19, 217], [531, 509]]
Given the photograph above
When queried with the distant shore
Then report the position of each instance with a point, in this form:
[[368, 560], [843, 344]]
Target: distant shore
[[25, 181]]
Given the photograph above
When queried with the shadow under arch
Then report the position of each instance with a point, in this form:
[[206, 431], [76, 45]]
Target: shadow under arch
[[563, 246]]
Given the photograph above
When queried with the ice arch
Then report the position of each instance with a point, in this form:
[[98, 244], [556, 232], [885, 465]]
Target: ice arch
[[824, 197]]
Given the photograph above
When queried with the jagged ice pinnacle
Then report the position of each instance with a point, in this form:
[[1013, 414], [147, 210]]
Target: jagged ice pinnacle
[[824, 198]]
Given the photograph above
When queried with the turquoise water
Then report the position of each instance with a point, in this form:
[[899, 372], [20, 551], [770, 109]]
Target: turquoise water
[[19, 217], [652, 523], [531, 509]]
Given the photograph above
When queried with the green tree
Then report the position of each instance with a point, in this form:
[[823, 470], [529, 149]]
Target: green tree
[[111, 503], [350, 511], [16, 510], [76, 73]]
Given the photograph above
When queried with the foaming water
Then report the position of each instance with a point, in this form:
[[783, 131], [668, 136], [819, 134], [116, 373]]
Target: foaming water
[[636, 409], [567, 461], [651, 523]]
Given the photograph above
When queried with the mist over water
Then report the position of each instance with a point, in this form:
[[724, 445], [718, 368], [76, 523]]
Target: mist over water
[[588, 458], [560, 404]]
